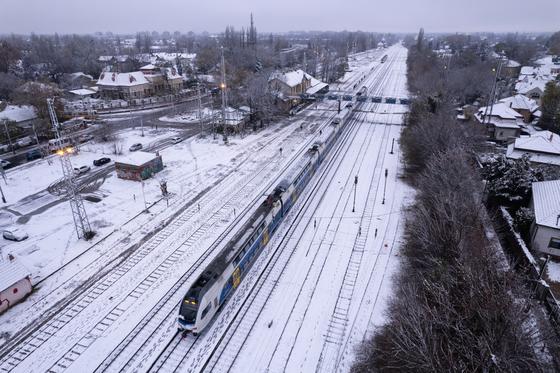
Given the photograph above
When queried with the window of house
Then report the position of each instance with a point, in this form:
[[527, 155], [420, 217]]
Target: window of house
[[554, 243]]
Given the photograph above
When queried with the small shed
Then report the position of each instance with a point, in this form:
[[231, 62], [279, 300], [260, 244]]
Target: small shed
[[138, 165], [15, 283]]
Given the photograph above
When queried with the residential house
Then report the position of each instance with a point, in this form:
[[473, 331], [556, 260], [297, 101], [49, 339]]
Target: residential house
[[126, 86], [502, 122], [545, 230], [524, 105], [512, 68], [15, 282], [290, 86], [23, 116], [543, 147]]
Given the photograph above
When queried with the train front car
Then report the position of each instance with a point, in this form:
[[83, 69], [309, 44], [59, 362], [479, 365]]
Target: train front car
[[189, 317]]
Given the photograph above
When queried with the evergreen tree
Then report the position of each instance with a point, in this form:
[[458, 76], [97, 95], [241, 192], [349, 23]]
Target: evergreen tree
[[550, 108]]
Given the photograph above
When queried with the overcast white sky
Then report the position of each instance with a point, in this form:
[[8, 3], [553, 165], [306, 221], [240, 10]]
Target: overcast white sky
[[123, 16]]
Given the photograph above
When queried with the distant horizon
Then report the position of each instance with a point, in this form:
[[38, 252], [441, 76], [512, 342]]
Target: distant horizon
[[427, 32], [398, 17]]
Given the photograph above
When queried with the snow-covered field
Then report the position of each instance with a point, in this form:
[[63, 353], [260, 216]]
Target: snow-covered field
[[124, 285]]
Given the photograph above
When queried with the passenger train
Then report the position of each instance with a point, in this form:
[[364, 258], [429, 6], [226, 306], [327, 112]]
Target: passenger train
[[224, 274]]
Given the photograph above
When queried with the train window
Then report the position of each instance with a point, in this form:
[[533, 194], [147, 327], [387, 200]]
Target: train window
[[205, 311]]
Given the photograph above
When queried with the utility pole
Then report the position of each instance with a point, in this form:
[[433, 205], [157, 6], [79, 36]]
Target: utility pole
[[223, 86], [81, 222], [2, 192], [142, 125], [200, 109], [385, 186], [5, 121], [392, 144], [492, 97], [355, 187]]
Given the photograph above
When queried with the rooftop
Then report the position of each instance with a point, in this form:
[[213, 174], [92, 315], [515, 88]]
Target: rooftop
[[137, 158], [122, 79], [520, 102], [18, 113], [11, 271], [546, 200]]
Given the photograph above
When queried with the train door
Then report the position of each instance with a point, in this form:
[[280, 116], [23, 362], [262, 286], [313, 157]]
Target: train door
[[236, 277], [265, 237]]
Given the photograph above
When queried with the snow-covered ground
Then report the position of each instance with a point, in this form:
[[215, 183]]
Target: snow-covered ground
[[138, 267]]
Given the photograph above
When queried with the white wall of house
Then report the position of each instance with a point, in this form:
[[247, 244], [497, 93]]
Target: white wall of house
[[14, 293], [540, 239]]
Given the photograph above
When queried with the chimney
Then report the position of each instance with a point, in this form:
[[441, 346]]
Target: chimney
[[12, 258], [550, 139], [557, 219]]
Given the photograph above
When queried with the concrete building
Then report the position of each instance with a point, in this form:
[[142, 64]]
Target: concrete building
[[138, 165], [545, 230], [15, 283]]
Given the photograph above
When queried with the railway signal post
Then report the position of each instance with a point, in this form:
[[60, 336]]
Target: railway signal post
[[355, 187], [385, 186]]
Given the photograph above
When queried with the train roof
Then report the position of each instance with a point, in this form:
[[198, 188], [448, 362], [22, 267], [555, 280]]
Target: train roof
[[221, 261], [295, 170]]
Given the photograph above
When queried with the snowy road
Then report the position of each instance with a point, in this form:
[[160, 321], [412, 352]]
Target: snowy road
[[334, 264]]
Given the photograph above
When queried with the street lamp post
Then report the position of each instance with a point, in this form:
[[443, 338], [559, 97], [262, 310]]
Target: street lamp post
[[385, 186]]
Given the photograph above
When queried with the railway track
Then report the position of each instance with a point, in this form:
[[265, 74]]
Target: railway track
[[211, 363], [18, 351]]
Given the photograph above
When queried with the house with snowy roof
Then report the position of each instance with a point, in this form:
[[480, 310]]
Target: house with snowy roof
[[290, 86], [543, 147], [15, 282], [502, 122], [545, 230], [524, 105], [114, 85], [512, 68]]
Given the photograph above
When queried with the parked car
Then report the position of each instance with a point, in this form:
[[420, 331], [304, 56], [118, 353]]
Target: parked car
[[135, 147], [101, 161], [33, 154], [81, 170], [4, 163], [14, 234], [176, 140], [86, 138], [24, 141]]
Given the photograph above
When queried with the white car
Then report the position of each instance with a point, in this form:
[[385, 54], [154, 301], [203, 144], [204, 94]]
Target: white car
[[4, 163], [135, 147], [14, 234], [24, 141], [176, 140], [81, 170]]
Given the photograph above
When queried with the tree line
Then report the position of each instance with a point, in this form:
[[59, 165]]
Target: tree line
[[456, 306]]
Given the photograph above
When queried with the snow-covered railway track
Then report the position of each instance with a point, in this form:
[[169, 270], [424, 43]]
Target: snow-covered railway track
[[226, 352], [21, 349], [161, 320], [237, 331], [248, 295]]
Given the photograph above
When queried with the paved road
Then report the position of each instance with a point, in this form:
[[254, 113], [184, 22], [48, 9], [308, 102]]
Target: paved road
[[119, 122]]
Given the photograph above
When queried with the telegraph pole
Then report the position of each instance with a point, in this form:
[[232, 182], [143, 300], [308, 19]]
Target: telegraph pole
[[385, 186], [355, 187], [223, 86], [200, 110], [81, 222], [5, 121]]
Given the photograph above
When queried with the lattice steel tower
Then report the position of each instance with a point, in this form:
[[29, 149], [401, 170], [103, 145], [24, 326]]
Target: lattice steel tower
[[81, 222]]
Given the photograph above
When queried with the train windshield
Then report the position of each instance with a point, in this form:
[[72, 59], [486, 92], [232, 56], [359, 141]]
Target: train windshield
[[188, 311]]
